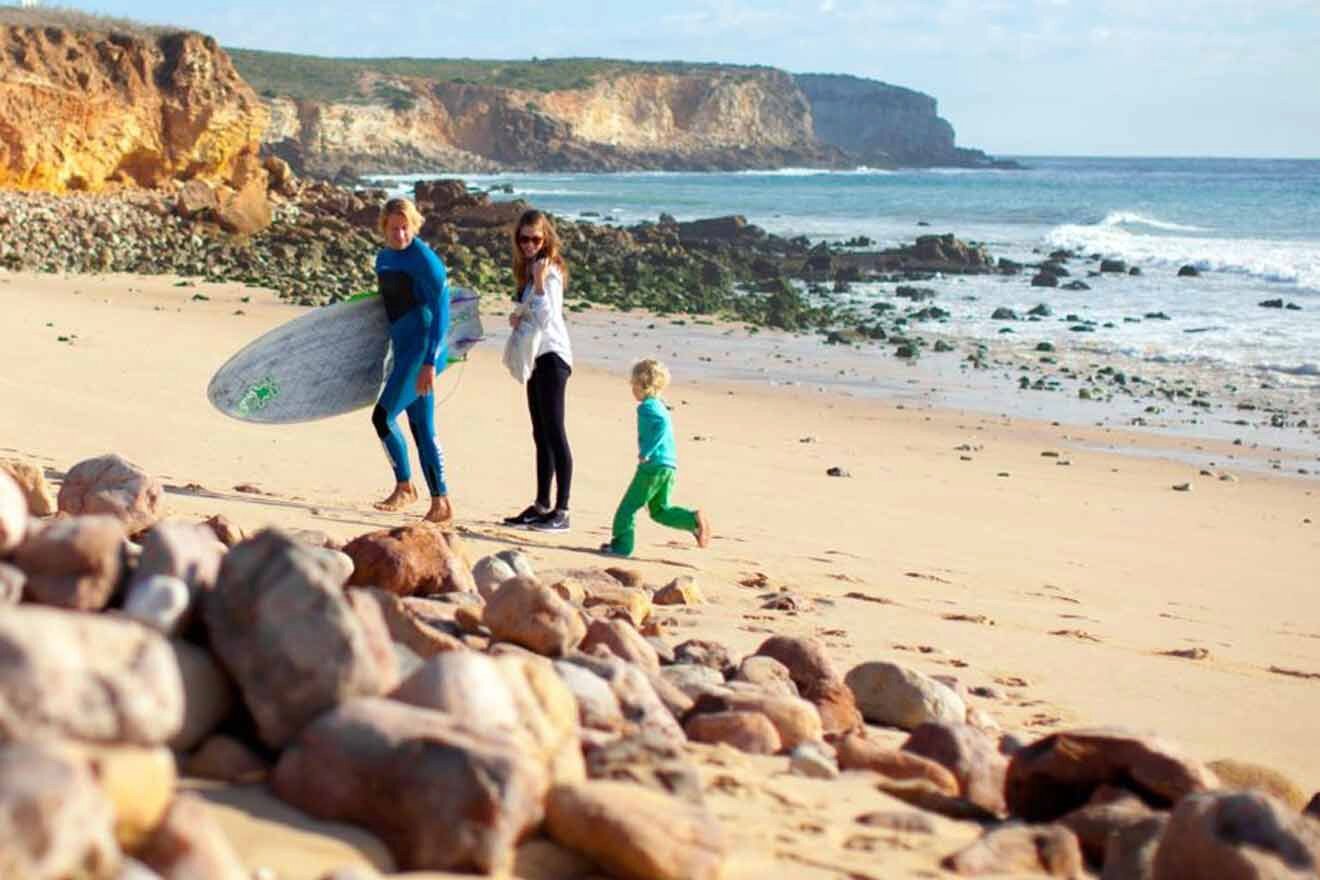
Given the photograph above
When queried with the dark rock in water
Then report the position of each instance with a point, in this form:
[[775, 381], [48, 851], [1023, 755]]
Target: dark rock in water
[[874, 331], [1045, 346], [1045, 279], [906, 350], [922, 223], [837, 472], [916, 294], [1054, 268], [1157, 316], [942, 346], [446, 194], [1293, 307], [1134, 270], [1004, 314], [858, 241], [844, 337], [1041, 311], [731, 228], [1113, 266], [1076, 285], [929, 313], [947, 252], [1061, 255], [1009, 267], [1189, 271], [1271, 303]]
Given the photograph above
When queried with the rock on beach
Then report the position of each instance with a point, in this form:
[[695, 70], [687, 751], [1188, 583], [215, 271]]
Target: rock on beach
[[86, 677], [282, 627]]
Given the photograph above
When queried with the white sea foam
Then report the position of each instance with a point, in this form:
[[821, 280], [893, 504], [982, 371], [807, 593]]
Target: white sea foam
[[1307, 369], [1132, 218], [958, 172], [547, 191], [815, 172], [1288, 262]]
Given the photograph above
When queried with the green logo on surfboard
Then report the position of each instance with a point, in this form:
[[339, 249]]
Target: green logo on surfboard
[[257, 396]]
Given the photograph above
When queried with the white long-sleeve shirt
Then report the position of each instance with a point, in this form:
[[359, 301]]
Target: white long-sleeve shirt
[[546, 311]]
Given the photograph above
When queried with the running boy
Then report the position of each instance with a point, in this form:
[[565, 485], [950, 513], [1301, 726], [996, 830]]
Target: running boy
[[656, 464]]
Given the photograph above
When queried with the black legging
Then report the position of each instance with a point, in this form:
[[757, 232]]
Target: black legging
[[545, 402]]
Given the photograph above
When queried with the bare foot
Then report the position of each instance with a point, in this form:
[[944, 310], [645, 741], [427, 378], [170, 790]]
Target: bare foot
[[703, 530], [402, 496], [441, 512]]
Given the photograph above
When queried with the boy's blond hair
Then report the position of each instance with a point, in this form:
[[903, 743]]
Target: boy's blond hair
[[403, 207], [650, 377]]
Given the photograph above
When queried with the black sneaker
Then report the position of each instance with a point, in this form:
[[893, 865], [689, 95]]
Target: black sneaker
[[527, 517], [555, 521]]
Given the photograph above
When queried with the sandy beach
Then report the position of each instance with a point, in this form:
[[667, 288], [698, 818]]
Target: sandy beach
[[1053, 563]]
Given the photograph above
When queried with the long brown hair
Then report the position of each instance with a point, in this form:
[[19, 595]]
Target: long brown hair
[[522, 270]]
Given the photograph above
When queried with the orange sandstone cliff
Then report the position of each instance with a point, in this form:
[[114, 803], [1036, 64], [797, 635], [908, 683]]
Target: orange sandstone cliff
[[95, 105]]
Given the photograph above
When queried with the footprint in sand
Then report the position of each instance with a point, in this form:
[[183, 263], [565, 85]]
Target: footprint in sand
[[970, 618], [926, 577], [1076, 634], [871, 843], [1187, 653], [1055, 597], [1294, 673], [909, 822], [881, 600]]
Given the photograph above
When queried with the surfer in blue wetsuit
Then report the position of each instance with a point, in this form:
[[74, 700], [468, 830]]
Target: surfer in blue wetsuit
[[415, 295]]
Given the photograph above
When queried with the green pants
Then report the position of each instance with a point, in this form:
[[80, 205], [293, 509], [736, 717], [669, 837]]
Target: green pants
[[650, 488]]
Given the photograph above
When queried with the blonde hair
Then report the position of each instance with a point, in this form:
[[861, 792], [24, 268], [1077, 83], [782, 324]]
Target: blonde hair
[[550, 249], [401, 206], [650, 377]]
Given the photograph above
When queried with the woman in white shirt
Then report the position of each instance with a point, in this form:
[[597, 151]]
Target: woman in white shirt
[[541, 276]]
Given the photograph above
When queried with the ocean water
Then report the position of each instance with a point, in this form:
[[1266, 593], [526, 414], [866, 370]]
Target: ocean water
[[1252, 226]]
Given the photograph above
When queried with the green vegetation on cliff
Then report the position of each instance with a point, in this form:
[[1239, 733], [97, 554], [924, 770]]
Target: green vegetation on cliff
[[336, 79]]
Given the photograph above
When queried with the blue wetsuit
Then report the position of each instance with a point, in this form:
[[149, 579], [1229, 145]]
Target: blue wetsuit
[[415, 295]]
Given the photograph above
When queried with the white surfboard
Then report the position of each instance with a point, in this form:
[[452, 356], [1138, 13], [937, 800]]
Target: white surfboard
[[325, 363]]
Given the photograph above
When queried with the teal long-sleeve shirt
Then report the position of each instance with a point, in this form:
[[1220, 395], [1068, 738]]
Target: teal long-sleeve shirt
[[430, 286], [655, 434]]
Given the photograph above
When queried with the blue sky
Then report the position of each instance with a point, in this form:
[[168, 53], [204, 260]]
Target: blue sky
[[1072, 77]]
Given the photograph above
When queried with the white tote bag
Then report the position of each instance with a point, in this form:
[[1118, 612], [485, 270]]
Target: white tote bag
[[520, 350]]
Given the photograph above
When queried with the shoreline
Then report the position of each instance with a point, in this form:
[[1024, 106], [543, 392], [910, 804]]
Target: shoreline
[[724, 354], [947, 383]]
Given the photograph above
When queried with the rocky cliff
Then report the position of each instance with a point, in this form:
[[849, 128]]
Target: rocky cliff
[[88, 103], [880, 124], [389, 115], [715, 119]]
